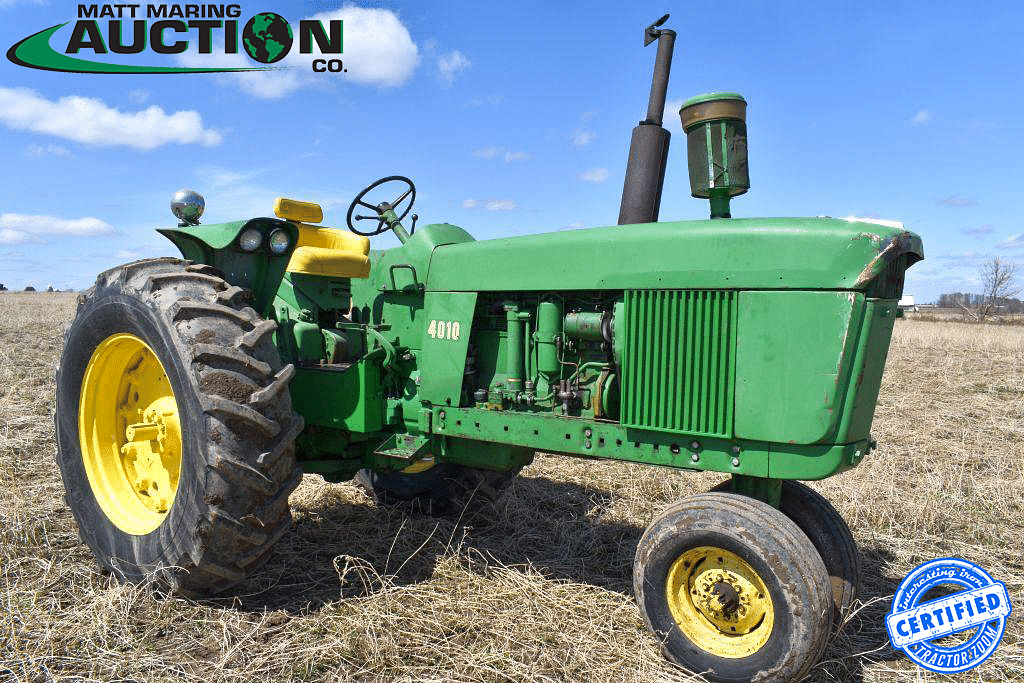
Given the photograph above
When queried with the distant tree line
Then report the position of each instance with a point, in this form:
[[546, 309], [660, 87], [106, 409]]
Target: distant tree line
[[998, 295], [974, 301]]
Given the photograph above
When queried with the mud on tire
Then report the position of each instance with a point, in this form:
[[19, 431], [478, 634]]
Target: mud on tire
[[237, 425], [760, 539], [829, 534]]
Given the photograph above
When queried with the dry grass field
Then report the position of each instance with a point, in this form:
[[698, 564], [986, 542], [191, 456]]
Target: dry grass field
[[538, 590]]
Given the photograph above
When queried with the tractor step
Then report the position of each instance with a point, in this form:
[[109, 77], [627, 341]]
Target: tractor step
[[404, 447]]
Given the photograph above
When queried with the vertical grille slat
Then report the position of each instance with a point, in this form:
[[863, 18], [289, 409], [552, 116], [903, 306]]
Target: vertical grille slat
[[678, 364]]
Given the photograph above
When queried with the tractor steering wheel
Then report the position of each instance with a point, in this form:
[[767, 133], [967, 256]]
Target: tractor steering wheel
[[380, 209]]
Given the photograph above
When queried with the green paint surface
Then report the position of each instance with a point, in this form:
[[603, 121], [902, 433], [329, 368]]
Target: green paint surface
[[444, 351], [793, 352], [747, 253]]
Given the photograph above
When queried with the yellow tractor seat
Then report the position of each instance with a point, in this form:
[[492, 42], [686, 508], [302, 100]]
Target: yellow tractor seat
[[322, 251], [330, 252]]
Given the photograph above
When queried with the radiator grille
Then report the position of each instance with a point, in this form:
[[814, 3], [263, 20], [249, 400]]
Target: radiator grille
[[678, 367]]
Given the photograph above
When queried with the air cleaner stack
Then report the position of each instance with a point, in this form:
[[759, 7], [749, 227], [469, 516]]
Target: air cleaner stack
[[716, 148]]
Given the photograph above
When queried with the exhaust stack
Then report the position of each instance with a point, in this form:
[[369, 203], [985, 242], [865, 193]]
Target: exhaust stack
[[648, 148]]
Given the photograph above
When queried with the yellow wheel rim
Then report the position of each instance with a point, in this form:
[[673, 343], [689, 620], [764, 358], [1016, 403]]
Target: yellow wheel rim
[[421, 465], [130, 434], [719, 602]]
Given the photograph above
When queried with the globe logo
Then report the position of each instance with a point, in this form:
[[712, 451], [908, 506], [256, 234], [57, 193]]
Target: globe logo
[[267, 37]]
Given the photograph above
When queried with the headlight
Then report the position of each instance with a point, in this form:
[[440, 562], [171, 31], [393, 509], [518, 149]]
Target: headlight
[[250, 240], [279, 241]]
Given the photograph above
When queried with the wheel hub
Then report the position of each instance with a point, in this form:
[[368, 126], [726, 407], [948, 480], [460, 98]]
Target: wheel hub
[[150, 454], [728, 600], [720, 602]]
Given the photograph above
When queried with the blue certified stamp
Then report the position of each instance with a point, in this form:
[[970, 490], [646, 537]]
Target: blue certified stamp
[[984, 604]]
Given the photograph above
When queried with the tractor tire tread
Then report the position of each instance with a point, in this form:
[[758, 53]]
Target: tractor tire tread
[[830, 535], [280, 383], [734, 514], [247, 436], [226, 358], [259, 332]]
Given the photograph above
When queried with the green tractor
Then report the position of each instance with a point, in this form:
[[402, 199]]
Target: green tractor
[[193, 393]]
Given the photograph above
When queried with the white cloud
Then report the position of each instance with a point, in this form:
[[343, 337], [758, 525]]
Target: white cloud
[[587, 115], [232, 194], [378, 51], [138, 96], [451, 65], [495, 152], [1012, 242], [487, 99], [958, 201], [217, 177], [16, 228], [487, 152], [575, 225], [490, 204], [671, 120], [8, 236], [90, 121], [922, 116], [378, 47], [594, 175], [53, 150], [582, 138], [979, 231]]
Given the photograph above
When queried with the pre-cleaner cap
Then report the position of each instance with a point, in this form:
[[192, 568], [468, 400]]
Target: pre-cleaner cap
[[716, 144]]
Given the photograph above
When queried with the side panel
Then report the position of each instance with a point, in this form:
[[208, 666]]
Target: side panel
[[793, 353], [443, 356], [871, 355], [351, 400]]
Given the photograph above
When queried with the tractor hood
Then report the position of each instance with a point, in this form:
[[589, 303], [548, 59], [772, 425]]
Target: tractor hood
[[744, 253]]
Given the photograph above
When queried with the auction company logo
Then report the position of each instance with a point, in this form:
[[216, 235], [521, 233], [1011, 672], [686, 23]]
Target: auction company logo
[[267, 38], [913, 625]]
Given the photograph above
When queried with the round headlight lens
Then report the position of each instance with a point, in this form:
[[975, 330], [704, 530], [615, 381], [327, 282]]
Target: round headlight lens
[[250, 240], [279, 241]]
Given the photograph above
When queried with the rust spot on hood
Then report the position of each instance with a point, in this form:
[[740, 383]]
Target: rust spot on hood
[[889, 249]]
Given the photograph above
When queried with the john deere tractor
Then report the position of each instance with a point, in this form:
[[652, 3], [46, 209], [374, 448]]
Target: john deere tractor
[[193, 393]]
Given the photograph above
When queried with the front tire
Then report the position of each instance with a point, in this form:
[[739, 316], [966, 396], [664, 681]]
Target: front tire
[[175, 433], [442, 489], [733, 590], [829, 534]]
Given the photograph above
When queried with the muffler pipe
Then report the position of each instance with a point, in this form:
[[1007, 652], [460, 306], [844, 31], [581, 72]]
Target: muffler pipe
[[648, 147]]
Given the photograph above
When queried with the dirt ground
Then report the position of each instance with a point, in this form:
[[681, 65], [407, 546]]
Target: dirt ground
[[538, 589]]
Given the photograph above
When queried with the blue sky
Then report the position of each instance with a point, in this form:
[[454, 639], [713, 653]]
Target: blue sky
[[515, 118]]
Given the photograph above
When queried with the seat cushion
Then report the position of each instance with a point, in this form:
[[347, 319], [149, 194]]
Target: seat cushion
[[330, 252]]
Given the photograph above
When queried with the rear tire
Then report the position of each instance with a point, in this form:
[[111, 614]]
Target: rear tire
[[236, 461], [733, 590], [442, 489]]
